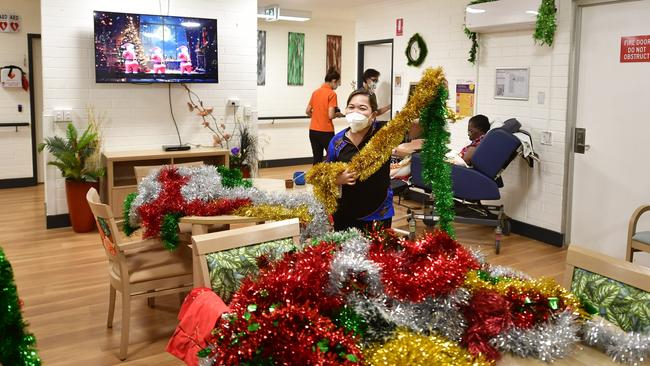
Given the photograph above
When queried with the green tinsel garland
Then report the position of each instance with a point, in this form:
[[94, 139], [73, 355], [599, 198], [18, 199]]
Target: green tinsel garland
[[169, 230], [437, 171], [231, 178], [472, 35], [126, 208], [351, 322], [546, 23], [16, 345]]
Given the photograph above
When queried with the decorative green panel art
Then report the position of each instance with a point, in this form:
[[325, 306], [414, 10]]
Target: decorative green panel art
[[229, 267], [296, 59], [624, 305]]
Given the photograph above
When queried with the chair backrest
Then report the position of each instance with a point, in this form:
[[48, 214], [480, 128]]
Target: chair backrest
[[144, 170], [236, 238], [495, 152], [108, 231]]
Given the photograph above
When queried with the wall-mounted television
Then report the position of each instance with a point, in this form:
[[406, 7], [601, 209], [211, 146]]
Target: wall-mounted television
[[141, 48]]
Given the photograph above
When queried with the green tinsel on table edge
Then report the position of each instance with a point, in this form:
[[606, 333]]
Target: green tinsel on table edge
[[169, 230], [437, 172], [16, 345], [546, 23], [126, 209], [231, 178]]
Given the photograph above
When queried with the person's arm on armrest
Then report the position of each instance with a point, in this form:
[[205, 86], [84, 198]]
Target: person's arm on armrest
[[468, 155]]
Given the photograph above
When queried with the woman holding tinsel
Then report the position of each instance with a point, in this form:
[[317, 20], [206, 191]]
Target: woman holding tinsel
[[361, 203]]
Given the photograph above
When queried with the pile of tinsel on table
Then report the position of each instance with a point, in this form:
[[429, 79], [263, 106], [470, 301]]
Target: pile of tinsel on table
[[380, 300], [172, 192]]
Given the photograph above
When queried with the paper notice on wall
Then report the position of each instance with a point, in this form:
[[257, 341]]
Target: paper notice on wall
[[465, 98], [9, 23]]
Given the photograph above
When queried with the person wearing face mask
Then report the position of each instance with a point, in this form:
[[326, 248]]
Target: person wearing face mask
[[370, 82], [322, 108], [362, 203]]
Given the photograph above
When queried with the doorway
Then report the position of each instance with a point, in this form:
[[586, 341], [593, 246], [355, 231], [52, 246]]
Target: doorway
[[609, 180], [378, 55], [36, 103]]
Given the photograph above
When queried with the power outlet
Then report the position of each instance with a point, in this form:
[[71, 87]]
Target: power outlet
[[547, 138], [233, 102], [62, 115]]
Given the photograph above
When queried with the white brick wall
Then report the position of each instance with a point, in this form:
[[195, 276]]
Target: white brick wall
[[137, 116], [15, 147], [290, 138], [530, 195]]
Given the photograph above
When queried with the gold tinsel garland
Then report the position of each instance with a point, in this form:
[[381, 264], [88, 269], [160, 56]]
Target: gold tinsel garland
[[274, 212], [378, 150], [408, 348], [545, 286]]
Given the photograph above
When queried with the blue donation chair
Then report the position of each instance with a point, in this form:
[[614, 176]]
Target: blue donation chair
[[471, 185]]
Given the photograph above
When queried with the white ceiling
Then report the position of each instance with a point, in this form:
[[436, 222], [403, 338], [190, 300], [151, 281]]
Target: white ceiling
[[321, 9]]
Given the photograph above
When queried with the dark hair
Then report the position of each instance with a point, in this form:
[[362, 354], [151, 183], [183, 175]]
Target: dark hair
[[481, 122], [373, 101], [370, 73], [332, 75]]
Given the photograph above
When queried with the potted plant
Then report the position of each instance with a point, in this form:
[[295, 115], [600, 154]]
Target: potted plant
[[76, 157], [245, 157]]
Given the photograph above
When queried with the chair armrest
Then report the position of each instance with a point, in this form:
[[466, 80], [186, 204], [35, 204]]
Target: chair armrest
[[140, 244], [634, 220]]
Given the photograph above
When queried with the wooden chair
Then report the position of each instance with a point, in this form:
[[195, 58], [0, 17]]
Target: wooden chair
[[137, 269], [235, 238], [144, 170], [637, 241], [606, 266]]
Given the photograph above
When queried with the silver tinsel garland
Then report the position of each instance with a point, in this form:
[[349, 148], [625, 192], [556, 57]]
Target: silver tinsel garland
[[351, 260], [205, 184], [631, 348], [548, 342]]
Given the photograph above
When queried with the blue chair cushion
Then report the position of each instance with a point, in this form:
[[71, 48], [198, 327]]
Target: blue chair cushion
[[643, 237], [471, 185], [494, 152]]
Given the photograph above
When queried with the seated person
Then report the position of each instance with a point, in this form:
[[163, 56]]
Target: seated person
[[400, 167], [477, 127]]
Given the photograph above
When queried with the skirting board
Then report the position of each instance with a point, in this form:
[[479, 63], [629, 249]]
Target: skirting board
[[57, 221], [285, 162], [17, 182]]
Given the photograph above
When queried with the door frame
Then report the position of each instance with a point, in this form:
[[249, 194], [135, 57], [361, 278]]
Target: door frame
[[32, 108], [360, 59], [572, 109]]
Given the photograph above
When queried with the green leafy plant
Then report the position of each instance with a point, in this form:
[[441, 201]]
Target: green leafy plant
[[74, 154]]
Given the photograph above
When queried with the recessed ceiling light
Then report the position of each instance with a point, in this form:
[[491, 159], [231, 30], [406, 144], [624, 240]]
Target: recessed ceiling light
[[533, 12], [474, 10]]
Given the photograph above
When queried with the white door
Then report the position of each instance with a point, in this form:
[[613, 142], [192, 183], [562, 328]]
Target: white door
[[380, 58], [611, 179]]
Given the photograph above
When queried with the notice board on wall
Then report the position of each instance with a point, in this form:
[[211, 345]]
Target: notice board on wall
[[511, 83]]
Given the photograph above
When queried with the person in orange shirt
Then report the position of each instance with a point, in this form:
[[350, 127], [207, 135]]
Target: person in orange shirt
[[322, 108]]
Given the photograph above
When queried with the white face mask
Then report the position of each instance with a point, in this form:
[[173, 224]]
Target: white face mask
[[357, 121], [372, 86]]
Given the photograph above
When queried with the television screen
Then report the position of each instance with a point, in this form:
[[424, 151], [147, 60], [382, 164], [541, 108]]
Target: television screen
[[139, 48]]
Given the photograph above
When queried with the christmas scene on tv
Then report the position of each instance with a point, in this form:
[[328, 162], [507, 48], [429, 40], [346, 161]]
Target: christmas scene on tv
[[152, 48]]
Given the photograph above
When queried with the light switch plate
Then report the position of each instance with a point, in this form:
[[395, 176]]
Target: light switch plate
[[541, 96]]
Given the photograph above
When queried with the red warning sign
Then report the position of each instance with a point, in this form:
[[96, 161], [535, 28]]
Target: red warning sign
[[635, 49]]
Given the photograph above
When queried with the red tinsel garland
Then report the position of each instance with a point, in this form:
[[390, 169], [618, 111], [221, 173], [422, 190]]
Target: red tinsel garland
[[289, 335], [487, 315], [170, 200], [299, 278], [433, 265], [281, 314]]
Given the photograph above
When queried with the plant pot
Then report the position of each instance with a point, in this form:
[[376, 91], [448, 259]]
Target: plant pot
[[80, 215], [245, 171]]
